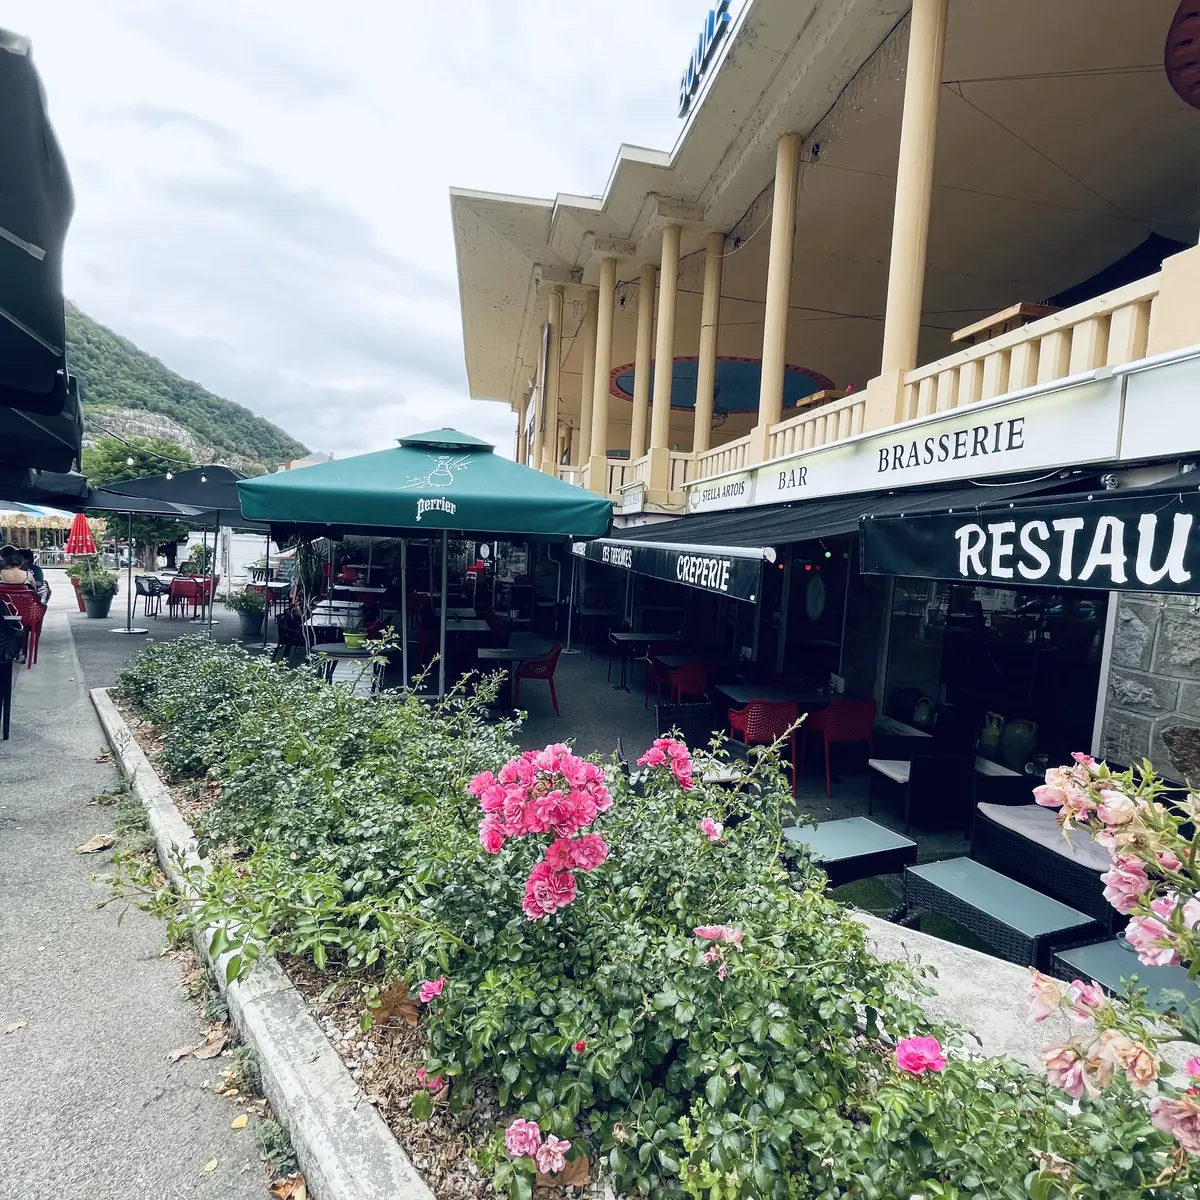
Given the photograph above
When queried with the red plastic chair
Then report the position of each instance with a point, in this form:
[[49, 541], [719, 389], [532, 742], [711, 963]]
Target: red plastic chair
[[25, 604], [538, 668], [689, 679], [763, 722], [184, 592], [842, 721], [656, 673]]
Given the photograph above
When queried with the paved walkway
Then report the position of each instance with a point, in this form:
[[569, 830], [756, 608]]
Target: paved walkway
[[90, 1108]]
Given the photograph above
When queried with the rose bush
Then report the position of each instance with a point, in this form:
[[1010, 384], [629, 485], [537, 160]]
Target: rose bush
[[643, 968]]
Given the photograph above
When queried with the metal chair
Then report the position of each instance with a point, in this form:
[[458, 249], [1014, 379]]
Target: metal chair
[[150, 596], [696, 723]]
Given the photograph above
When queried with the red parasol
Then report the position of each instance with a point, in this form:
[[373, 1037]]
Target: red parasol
[[80, 540]]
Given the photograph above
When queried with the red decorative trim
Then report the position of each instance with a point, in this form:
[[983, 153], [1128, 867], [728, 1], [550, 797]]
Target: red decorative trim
[[823, 382]]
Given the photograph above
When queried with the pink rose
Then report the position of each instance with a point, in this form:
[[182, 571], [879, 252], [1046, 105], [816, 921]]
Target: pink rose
[[481, 783], [1125, 882], [551, 1157], [712, 829], [1169, 860], [1146, 936], [431, 989], [1045, 995], [1180, 1117], [491, 834], [1192, 1067], [1115, 808], [1085, 999], [546, 891], [522, 1138], [719, 933], [493, 797], [916, 1055], [654, 757], [588, 852], [433, 1085], [1191, 913], [1086, 761], [1049, 797], [1064, 1069], [1163, 906]]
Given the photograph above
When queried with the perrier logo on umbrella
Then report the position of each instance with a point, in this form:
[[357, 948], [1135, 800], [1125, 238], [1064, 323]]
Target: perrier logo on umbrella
[[442, 475]]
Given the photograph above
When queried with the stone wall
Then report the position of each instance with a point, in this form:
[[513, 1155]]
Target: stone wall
[[1152, 706]]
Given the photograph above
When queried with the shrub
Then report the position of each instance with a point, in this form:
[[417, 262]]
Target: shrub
[[245, 600], [661, 982]]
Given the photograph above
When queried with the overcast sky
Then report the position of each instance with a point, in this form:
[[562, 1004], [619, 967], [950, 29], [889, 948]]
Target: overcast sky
[[261, 186]]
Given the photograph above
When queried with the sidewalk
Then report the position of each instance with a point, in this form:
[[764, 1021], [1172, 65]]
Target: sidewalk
[[90, 1107]]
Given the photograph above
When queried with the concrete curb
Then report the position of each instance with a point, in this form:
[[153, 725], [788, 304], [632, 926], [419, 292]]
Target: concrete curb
[[344, 1148]]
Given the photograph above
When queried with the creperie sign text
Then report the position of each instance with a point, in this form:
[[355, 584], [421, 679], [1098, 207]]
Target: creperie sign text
[[701, 571]]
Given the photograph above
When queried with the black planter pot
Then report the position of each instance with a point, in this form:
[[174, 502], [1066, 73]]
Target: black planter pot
[[252, 625], [97, 606]]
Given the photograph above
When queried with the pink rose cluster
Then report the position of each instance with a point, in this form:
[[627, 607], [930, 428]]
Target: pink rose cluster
[[917, 1055], [549, 791], [1081, 1000], [720, 936], [523, 1139], [669, 752]]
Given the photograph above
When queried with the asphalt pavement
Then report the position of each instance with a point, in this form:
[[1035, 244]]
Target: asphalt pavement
[[90, 1106]]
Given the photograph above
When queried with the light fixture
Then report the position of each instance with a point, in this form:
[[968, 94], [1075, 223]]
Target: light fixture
[[170, 476], [203, 478], [129, 461]]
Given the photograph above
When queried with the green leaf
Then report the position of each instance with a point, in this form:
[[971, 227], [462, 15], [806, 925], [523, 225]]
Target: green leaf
[[233, 968], [716, 1090], [422, 1106], [774, 1097]]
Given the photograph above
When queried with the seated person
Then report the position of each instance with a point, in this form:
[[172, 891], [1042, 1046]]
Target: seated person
[[12, 567], [37, 575]]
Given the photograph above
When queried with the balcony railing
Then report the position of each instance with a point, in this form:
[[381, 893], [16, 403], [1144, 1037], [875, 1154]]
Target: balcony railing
[[572, 475], [681, 466], [732, 456], [818, 427], [620, 472], [1109, 330]]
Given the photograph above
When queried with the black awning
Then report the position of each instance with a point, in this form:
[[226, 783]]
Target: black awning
[[733, 571], [34, 441], [806, 520], [1137, 540]]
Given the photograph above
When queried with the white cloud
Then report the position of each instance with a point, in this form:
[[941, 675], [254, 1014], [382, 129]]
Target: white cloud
[[261, 188]]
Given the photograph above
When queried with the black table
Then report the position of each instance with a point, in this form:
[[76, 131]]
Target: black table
[[627, 641], [743, 694], [510, 656]]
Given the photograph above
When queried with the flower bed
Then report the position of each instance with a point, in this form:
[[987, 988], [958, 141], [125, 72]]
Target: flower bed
[[633, 977]]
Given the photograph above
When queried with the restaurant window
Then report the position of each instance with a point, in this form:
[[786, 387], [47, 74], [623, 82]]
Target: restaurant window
[[816, 606], [1016, 670]]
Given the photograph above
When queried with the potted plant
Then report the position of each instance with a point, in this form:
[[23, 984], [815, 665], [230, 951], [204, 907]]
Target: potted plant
[[250, 608], [73, 575], [96, 586]]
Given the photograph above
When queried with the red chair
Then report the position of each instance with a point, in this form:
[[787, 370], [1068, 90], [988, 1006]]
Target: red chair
[[538, 668], [764, 722], [25, 604], [656, 673], [689, 679], [184, 592], [841, 721]]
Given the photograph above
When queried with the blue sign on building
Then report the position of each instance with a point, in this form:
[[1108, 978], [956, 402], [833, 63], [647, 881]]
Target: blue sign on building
[[715, 27]]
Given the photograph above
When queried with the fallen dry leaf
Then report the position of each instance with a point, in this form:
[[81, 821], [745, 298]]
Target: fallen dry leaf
[[394, 1002], [12, 1028], [292, 1187], [105, 756], [210, 1166], [240, 1122], [212, 1049], [102, 841], [181, 1052], [574, 1174]]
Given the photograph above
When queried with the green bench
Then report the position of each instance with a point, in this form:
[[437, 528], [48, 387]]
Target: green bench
[[1021, 925], [854, 848]]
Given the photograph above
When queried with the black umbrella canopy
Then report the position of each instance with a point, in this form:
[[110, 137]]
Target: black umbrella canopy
[[36, 203], [37, 441], [202, 489], [53, 489]]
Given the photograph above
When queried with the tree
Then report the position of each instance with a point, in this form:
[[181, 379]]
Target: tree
[[112, 460]]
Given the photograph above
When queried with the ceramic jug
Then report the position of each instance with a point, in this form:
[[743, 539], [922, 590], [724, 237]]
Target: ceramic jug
[[988, 744], [1018, 742], [922, 717]]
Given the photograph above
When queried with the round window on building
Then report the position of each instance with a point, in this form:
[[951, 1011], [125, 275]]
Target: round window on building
[[814, 598]]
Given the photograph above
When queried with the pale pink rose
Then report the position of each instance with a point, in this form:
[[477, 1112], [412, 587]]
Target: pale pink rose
[[1049, 797], [654, 757], [551, 1156], [1045, 995], [1085, 999], [1145, 935], [430, 989], [722, 970], [711, 955], [522, 1138], [1140, 1066], [729, 934], [1088, 762], [1115, 808], [1125, 882], [481, 783], [1180, 1117], [1163, 906], [1191, 913], [712, 829], [1169, 860], [491, 834], [916, 1055], [1064, 1069]]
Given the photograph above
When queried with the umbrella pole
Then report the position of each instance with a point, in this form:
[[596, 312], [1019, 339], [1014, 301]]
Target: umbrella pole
[[129, 584], [404, 609], [212, 573], [445, 589], [267, 593], [571, 608]]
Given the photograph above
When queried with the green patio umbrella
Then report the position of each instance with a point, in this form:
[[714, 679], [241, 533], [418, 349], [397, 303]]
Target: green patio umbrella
[[430, 484]]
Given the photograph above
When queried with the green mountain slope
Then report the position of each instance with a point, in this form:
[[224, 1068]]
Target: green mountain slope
[[117, 377]]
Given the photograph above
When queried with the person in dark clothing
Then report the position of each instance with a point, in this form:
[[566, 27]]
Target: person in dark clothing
[[36, 574]]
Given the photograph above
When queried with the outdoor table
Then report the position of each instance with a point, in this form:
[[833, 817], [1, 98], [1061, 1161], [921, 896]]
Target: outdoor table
[[1108, 963], [460, 614], [336, 651], [463, 625], [854, 848], [628, 640], [510, 655], [359, 588], [1021, 925], [332, 604], [742, 694], [674, 661]]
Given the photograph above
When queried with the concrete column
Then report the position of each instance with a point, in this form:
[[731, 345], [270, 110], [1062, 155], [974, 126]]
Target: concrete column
[[779, 291], [607, 300], [587, 332], [710, 317], [643, 361], [914, 184], [522, 418], [664, 362], [549, 431]]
